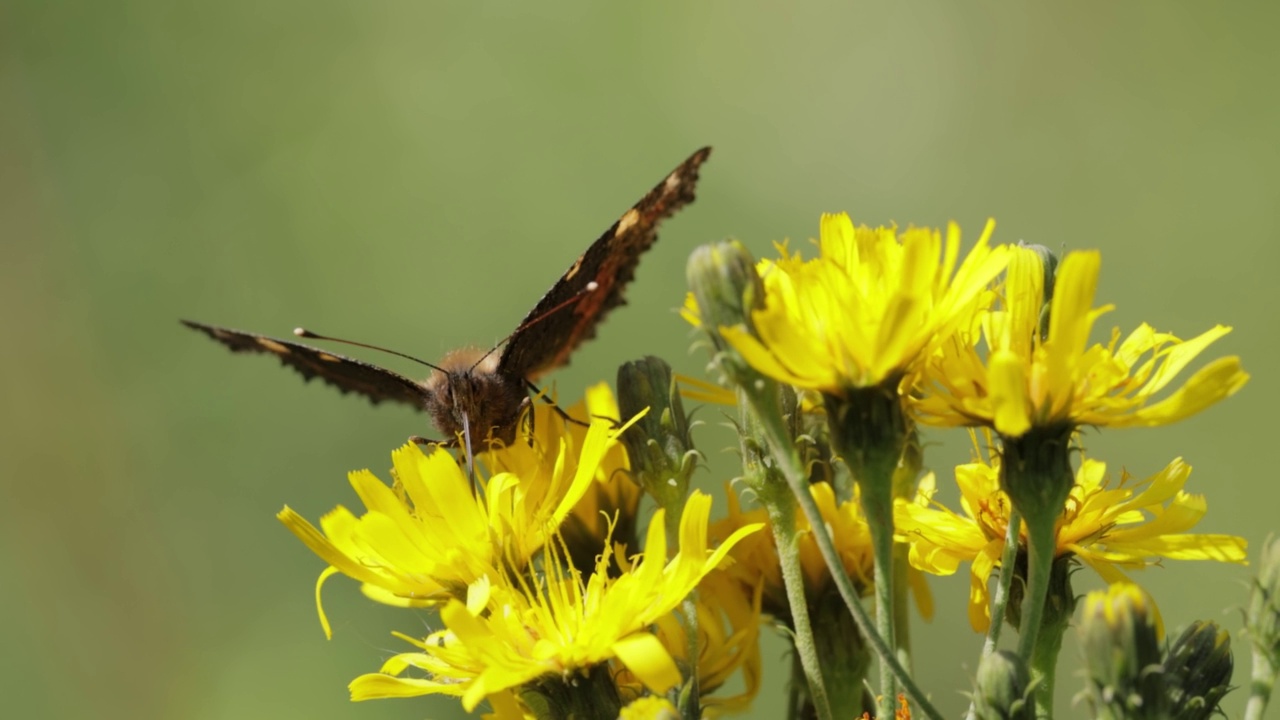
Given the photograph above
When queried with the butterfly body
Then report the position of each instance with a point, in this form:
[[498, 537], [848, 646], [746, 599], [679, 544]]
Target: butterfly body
[[484, 392]]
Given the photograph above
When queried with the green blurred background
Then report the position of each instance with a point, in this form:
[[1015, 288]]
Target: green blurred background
[[417, 174]]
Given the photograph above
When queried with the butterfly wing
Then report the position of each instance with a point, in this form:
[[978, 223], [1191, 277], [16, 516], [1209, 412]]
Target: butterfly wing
[[344, 373], [568, 314]]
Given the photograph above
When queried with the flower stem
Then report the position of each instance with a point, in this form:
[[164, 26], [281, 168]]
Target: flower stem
[[764, 406], [1040, 547], [1000, 598], [901, 611], [1261, 684], [783, 520], [879, 509]]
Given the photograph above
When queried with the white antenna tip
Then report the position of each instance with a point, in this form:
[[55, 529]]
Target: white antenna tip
[[300, 332], [593, 286]]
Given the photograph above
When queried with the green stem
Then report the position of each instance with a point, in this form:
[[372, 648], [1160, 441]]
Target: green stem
[[879, 509], [1041, 538], [901, 611], [783, 520], [1044, 662], [784, 452], [1000, 598], [692, 700], [1261, 684]]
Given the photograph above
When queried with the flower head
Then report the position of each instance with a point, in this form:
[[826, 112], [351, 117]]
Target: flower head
[[1054, 379], [868, 309], [561, 623], [428, 537], [1111, 529]]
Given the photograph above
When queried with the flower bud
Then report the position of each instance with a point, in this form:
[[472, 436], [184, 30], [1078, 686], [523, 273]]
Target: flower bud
[[1122, 654], [1002, 691], [726, 287], [1197, 671], [658, 445]]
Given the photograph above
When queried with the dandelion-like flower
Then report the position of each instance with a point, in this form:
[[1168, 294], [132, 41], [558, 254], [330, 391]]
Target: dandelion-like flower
[[1058, 379], [868, 309], [1111, 529], [728, 642], [430, 536], [560, 625]]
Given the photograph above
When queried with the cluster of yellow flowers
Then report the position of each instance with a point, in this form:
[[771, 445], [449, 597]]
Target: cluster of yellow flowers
[[551, 606]]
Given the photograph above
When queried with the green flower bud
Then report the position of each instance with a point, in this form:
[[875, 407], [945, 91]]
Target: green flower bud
[[1002, 691], [727, 288], [1122, 655], [658, 445], [1198, 671]]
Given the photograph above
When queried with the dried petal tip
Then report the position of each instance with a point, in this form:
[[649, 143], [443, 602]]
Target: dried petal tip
[[1198, 671], [658, 444], [1121, 653], [1002, 691]]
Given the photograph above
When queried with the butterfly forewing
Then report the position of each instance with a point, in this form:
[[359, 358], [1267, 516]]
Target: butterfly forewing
[[549, 334], [344, 373]]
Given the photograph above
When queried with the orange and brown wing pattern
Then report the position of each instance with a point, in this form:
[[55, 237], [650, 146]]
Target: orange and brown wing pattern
[[549, 334], [344, 373]]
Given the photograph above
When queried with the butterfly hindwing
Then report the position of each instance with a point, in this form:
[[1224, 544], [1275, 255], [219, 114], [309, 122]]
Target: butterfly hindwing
[[551, 332], [344, 373]]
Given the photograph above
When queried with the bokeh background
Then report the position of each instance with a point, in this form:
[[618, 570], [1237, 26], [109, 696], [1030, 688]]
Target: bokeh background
[[417, 174]]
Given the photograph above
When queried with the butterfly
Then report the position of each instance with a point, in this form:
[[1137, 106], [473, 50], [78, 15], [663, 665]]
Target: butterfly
[[478, 394]]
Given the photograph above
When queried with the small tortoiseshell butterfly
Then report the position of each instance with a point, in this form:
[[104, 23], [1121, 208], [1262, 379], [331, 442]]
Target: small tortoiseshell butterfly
[[483, 393]]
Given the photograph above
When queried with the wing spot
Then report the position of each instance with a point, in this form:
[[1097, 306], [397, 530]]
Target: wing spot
[[273, 346], [627, 222], [328, 358], [577, 265]]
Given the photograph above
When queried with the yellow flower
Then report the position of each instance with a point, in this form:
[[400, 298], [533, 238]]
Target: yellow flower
[[550, 455], [1110, 529], [559, 625], [756, 560], [728, 642], [868, 309], [649, 708], [431, 536], [1029, 380]]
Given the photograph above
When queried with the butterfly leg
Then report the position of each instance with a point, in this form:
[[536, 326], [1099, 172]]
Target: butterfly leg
[[559, 410]]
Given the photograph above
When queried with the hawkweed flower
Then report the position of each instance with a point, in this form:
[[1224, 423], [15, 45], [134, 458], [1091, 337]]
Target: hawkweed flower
[[428, 537], [1110, 528], [610, 506], [1041, 380], [1031, 379], [853, 324], [728, 644], [538, 635]]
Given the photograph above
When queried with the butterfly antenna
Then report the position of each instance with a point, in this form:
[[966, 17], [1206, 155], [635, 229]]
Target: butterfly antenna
[[589, 288], [304, 333]]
